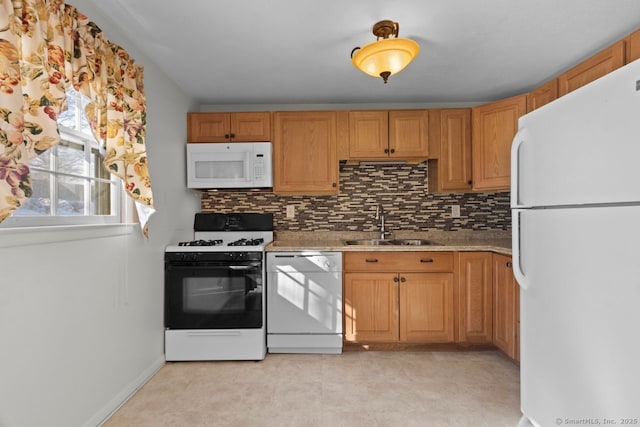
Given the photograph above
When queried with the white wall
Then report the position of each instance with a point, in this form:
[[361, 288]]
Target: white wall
[[81, 315]]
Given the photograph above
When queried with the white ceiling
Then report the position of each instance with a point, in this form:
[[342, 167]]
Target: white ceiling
[[297, 51]]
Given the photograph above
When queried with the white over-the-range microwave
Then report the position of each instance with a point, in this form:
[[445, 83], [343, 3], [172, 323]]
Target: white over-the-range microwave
[[229, 165]]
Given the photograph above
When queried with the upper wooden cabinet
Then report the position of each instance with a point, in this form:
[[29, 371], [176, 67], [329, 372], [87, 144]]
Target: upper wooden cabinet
[[542, 95], [475, 297], [450, 149], [229, 127], [305, 159], [593, 68], [494, 126], [398, 134], [633, 46]]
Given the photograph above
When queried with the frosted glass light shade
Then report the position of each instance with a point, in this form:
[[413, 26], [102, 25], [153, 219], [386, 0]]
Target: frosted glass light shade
[[385, 56]]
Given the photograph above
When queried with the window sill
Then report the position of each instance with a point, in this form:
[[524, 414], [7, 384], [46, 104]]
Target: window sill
[[27, 236]]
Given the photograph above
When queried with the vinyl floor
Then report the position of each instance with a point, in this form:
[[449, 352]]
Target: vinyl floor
[[376, 388]]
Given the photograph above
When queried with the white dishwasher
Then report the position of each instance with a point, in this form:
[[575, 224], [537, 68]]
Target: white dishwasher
[[304, 302]]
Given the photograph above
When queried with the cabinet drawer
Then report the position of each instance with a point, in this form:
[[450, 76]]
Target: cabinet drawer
[[398, 261]]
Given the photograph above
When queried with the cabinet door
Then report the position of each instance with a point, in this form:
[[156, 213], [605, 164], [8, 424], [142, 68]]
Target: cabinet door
[[251, 126], [475, 297], [426, 307], [368, 135], [229, 127], [633, 46], [593, 68], [452, 171], [542, 95], [371, 307], [408, 134], [504, 300], [304, 153], [208, 127], [494, 126]]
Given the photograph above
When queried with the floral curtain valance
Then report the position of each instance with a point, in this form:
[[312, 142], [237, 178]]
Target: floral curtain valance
[[46, 47]]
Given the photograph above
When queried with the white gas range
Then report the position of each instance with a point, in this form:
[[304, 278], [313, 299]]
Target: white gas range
[[214, 289]]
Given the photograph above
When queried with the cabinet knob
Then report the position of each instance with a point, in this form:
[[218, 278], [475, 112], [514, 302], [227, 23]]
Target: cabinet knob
[[426, 260], [402, 279], [334, 185], [393, 150], [395, 279], [510, 264], [233, 135], [386, 151], [469, 182], [371, 260], [226, 135]]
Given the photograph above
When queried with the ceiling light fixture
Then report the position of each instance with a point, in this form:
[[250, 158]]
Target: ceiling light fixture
[[386, 57]]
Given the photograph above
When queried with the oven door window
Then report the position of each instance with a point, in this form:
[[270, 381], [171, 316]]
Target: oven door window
[[213, 296]]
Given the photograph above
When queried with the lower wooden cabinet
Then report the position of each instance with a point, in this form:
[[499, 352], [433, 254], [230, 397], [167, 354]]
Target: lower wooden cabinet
[[399, 307], [431, 297], [506, 306], [371, 307], [426, 307], [412, 302], [474, 304]]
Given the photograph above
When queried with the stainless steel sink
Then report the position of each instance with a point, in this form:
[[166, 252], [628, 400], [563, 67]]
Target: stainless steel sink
[[390, 242], [368, 242], [412, 242]]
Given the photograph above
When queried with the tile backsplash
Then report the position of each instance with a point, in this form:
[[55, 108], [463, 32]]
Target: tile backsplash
[[401, 190]]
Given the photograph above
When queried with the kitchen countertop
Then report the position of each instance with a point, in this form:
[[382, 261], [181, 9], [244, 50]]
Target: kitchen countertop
[[491, 241]]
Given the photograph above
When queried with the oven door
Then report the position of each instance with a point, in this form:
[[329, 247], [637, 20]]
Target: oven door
[[214, 295]]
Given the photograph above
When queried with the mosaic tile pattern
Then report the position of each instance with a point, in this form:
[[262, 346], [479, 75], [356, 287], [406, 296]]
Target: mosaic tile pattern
[[401, 190]]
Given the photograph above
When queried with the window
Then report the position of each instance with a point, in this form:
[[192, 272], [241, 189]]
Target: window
[[70, 184]]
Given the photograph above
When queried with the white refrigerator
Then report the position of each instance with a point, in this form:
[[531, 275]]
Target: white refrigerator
[[575, 198]]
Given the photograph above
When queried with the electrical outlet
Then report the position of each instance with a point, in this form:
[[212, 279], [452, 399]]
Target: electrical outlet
[[291, 211], [455, 211]]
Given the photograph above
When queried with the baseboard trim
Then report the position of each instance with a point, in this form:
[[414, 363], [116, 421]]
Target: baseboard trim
[[370, 346], [121, 398]]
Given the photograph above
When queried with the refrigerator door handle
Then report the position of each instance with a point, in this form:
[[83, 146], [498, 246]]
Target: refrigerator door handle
[[515, 250], [518, 140]]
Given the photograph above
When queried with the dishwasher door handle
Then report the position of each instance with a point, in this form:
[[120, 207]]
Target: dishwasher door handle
[[294, 256]]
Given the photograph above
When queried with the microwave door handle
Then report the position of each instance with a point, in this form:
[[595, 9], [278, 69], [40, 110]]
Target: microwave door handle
[[248, 166], [241, 267]]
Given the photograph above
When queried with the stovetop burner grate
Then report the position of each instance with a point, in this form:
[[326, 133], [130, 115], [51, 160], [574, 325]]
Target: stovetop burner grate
[[247, 242], [201, 242]]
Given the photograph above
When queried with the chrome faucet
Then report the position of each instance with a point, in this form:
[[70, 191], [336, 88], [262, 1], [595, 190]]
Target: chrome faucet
[[380, 217]]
